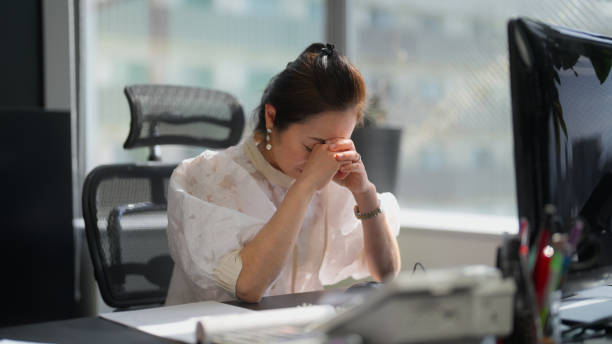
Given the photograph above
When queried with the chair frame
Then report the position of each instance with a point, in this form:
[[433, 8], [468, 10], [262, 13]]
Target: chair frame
[[103, 273], [106, 275], [133, 140]]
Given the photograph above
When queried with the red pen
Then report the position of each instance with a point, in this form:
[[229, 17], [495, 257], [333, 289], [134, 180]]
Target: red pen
[[524, 237], [541, 273], [543, 255]]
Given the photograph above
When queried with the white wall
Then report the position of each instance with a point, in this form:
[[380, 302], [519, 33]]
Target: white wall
[[443, 248]]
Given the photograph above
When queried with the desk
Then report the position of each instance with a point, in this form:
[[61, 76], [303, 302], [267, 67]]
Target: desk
[[98, 330]]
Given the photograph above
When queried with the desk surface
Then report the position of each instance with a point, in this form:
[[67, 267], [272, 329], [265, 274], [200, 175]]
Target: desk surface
[[98, 330]]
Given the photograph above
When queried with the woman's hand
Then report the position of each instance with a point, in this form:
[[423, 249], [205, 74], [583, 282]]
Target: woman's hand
[[381, 249], [352, 173], [320, 167]]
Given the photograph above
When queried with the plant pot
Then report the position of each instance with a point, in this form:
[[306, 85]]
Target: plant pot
[[379, 149]]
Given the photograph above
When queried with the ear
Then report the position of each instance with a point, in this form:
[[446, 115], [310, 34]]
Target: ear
[[270, 114]]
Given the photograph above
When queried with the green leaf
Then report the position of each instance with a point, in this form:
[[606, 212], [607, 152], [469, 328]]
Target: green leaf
[[558, 111], [602, 67]]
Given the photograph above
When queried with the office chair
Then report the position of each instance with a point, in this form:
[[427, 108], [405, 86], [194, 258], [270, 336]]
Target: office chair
[[124, 205]]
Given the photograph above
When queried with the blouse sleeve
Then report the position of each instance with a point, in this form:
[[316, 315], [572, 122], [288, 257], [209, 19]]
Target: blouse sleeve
[[228, 270], [203, 231], [345, 253]]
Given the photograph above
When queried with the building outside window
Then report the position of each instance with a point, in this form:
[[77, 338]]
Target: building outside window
[[234, 46], [440, 70]]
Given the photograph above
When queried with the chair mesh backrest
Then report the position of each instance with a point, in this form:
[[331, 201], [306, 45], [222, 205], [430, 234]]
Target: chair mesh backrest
[[163, 114], [124, 207]]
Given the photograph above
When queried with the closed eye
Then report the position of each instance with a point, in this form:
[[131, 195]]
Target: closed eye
[[308, 148]]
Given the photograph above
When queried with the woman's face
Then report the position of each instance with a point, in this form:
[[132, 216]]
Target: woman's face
[[292, 146]]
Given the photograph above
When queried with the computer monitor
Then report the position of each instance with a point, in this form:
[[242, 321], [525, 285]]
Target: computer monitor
[[562, 121]]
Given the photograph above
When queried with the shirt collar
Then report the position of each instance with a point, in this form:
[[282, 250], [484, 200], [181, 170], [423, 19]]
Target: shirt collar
[[262, 165]]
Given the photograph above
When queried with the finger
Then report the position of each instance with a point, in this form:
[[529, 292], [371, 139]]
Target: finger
[[343, 163], [340, 175], [348, 156], [350, 168], [337, 145]]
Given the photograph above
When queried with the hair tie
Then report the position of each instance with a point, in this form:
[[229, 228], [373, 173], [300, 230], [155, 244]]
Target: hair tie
[[328, 50]]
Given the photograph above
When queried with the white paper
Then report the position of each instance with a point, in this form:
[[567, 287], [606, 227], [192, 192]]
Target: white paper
[[173, 322], [604, 291], [588, 305], [587, 310]]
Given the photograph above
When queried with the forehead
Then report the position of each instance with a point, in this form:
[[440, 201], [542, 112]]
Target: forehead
[[330, 124]]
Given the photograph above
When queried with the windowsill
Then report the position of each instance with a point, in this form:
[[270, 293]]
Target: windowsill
[[457, 222], [440, 221]]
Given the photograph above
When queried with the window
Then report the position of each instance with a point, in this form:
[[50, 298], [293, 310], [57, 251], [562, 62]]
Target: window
[[235, 46], [438, 69], [440, 72]]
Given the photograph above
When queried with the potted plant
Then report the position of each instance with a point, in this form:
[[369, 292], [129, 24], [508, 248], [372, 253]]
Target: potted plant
[[378, 145]]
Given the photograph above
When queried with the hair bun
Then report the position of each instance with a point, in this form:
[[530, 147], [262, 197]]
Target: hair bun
[[328, 50], [319, 79]]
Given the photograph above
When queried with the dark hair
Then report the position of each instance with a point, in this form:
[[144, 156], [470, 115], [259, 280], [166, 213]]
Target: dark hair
[[320, 79]]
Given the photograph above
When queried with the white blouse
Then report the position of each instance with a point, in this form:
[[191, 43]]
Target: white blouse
[[218, 201]]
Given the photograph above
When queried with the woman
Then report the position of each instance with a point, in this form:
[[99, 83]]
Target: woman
[[291, 208]]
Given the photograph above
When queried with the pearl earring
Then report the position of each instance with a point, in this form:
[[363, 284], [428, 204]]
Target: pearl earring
[[268, 145]]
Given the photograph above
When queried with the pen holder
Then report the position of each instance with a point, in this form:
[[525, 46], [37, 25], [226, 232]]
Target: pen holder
[[547, 277], [526, 323], [538, 269]]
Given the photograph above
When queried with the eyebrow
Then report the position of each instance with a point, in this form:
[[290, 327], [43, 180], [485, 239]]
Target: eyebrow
[[317, 139]]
